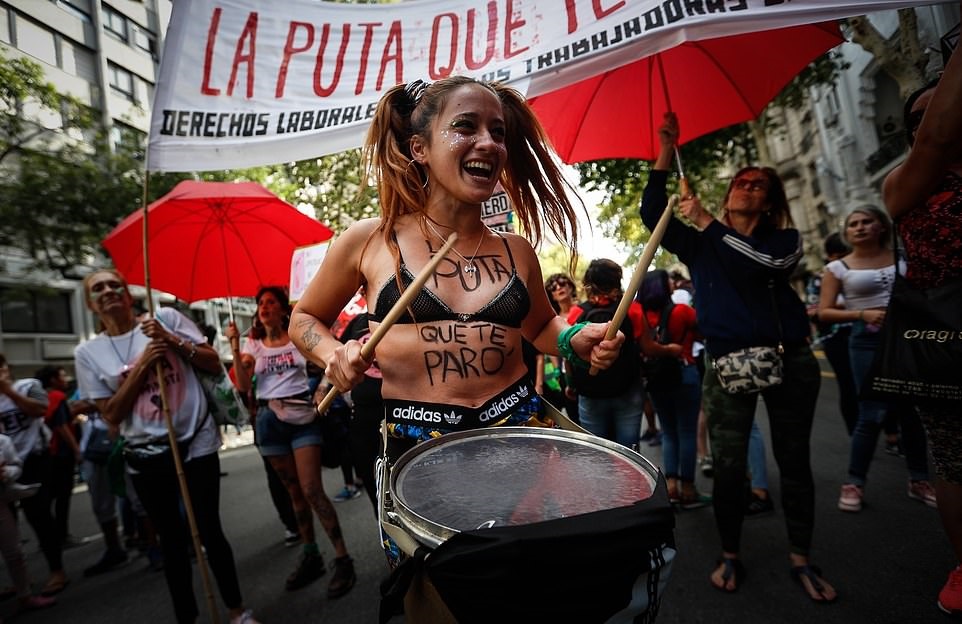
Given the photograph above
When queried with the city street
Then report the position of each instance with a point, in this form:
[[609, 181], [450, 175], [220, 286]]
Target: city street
[[887, 562]]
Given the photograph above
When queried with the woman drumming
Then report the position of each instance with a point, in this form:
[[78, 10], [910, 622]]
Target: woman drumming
[[290, 436], [453, 361], [865, 277], [740, 265], [117, 370]]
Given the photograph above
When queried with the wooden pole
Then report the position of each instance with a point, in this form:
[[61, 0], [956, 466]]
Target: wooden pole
[[642, 267], [172, 436]]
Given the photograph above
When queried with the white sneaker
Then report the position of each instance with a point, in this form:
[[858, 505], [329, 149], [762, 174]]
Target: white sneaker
[[851, 498]]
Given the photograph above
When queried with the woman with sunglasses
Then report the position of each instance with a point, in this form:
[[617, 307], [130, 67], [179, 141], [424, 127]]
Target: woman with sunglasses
[[924, 197], [117, 370], [740, 264]]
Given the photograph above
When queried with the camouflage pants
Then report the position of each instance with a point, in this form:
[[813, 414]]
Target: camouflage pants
[[791, 408]]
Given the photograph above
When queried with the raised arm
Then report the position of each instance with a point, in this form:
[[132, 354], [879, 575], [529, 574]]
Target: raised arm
[[937, 146]]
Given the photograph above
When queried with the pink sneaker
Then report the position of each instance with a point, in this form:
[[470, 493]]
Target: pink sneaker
[[851, 498], [923, 491], [950, 598]]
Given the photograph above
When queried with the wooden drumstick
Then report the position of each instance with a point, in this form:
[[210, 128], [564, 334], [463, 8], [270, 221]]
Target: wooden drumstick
[[395, 312], [643, 263]]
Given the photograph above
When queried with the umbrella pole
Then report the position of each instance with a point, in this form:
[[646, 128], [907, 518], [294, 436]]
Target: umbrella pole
[[172, 436], [683, 181], [394, 313], [640, 269]]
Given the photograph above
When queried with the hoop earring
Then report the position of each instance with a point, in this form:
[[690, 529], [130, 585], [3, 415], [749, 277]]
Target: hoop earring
[[427, 178]]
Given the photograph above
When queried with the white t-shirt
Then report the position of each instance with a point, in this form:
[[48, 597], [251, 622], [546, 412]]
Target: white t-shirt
[[281, 371], [105, 361], [28, 433], [864, 288]]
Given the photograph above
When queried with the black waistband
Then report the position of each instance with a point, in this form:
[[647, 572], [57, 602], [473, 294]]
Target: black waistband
[[459, 417], [303, 396]]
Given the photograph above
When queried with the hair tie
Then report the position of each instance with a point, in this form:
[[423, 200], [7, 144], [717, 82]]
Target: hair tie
[[412, 96]]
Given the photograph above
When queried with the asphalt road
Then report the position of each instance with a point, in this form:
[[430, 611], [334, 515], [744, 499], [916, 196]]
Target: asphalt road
[[887, 562]]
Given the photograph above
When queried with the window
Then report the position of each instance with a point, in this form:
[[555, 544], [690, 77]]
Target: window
[[78, 8], [144, 40], [127, 139], [5, 35], [115, 24], [35, 311], [121, 81], [36, 41]]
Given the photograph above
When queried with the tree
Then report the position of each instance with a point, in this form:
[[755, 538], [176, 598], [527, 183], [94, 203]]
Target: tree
[[904, 58]]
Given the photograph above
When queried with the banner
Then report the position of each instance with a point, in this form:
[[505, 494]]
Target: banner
[[305, 262], [245, 82]]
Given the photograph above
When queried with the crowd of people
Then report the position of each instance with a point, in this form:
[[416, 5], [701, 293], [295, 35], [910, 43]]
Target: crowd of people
[[488, 340]]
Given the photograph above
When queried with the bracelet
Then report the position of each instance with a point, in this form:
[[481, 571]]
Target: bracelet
[[193, 351], [564, 345]]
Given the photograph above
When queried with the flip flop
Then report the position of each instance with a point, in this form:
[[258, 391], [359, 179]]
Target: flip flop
[[813, 574], [733, 567]]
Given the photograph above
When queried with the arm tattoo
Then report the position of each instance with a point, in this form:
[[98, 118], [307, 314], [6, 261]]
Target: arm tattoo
[[311, 338]]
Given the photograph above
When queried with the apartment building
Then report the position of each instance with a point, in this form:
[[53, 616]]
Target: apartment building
[[106, 54]]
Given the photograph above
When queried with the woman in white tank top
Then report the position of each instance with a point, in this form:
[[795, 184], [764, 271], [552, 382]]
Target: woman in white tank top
[[865, 277]]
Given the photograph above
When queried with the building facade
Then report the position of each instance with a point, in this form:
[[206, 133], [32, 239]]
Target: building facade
[[835, 152], [106, 54]]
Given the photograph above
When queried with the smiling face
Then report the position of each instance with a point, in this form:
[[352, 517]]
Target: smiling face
[[464, 152], [107, 293]]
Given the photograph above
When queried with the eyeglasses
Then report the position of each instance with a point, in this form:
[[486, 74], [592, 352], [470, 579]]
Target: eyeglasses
[[748, 184]]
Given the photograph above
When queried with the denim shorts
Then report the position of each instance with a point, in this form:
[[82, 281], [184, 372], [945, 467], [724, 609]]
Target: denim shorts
[[276, 437]]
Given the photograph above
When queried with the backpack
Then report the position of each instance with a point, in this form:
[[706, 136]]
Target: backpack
[[662, 373], [623, 373]]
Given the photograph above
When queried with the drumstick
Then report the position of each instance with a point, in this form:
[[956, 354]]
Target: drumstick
[[643, 263], [402, 304]]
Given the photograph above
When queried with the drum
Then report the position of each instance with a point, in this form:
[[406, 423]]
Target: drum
[[508, 509], [506, 476]]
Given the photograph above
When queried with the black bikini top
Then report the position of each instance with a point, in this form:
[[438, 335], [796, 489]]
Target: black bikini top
[[508, 308]]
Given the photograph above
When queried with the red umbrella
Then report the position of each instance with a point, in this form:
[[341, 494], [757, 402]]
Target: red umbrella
[[709, 84], [213, 239]]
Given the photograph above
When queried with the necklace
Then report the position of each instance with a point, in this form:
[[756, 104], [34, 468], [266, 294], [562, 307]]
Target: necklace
[[469, 265], [123, 360]]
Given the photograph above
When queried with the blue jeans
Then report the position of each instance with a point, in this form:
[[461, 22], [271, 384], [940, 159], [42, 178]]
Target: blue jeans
[[616, 418], [871, 415], [678, 412]]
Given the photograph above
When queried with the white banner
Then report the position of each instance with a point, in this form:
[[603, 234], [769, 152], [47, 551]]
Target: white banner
[[246, 82]]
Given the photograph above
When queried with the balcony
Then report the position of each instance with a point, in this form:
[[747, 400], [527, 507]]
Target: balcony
[[891, 148]]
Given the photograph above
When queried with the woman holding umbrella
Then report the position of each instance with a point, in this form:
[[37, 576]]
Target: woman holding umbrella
[[117, 370], [740, 265]]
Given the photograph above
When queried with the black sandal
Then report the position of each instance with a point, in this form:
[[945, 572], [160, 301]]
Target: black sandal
[[733, 568], [813, 574]]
